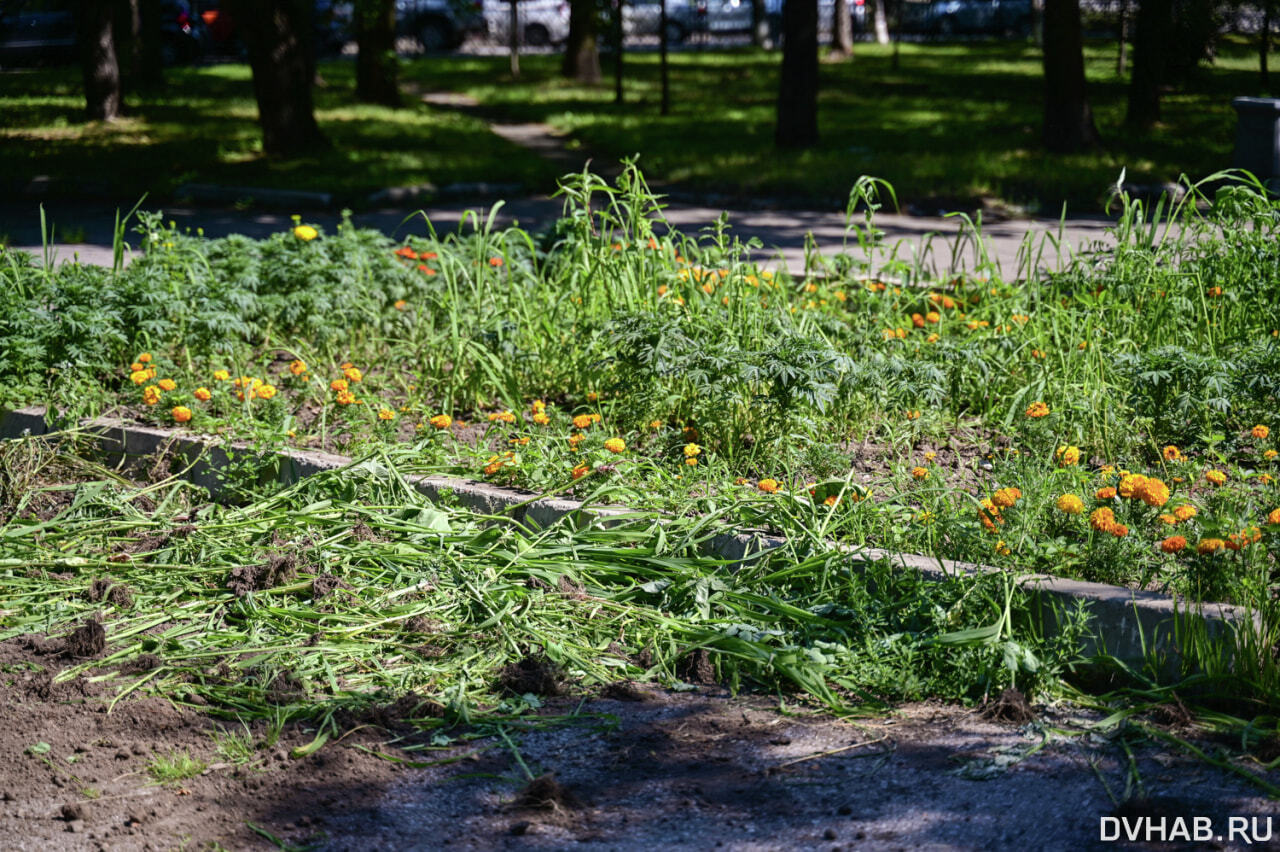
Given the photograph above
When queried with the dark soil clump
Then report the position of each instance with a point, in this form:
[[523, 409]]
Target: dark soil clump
[[622, 690], [696, 667], [326, 584], [546, 793], [105, 588], [1012, 706], [143, 663], [279, 568], [87, 640], [532, 674]]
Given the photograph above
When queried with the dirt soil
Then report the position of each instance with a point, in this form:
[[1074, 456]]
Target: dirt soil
[[642, 768]]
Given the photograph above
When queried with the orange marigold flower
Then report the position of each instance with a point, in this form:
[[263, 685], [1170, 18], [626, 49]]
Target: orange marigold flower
[[441, 421], [1105, 493], [933, 317], [144, 358], [1217, 477], [139, 376], [919, 473], [426, 270], [345, 397], [298, 367], [265, 391], [769, 486], [1070, 504], [1173, 544], [1171, 454], [615, 445], [1037, 410], [1184, 513], [136, 367], [181, 413], [1118, 530], [151, 394], [1006, 497], [595, 418], [495, 261], [1168, 519], [917, 320], [386, 414], [1260, 432], [934, 337], [167, 384], [989, 514], [580, 471], [582, 421], [913, 414], [339, 385], [352, 374], [1269, 454], [1153, 492], [1068, 456], [1129, 484], [1102, 519], [407, 253], [655, 424], [831, 500], [503, 416], [1209, 545], [203, 394]]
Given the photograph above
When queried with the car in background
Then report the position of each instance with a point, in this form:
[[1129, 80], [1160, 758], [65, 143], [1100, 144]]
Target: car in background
[[970, 18], [44, 32], [644, 17], [330, 24], [439, 25], [542, 22], [723, 17]]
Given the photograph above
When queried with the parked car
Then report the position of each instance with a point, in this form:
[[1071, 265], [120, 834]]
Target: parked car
[[977, 17], [723, 17], [644, 17], [440, 24], [542, 22], [44, 32], [331, 26]]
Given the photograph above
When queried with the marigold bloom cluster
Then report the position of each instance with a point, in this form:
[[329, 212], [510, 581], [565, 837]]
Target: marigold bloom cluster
[[615, 445], [769, 486], [1173, 544], [1070, 504], [441, 421], [1005, 498], [1037, 410]]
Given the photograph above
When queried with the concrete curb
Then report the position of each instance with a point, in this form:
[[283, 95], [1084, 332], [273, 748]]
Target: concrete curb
[[1129, 625]]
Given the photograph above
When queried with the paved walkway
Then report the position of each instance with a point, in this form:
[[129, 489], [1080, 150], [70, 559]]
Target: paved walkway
[[782, 233]]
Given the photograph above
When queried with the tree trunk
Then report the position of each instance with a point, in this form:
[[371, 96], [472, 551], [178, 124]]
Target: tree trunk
[[881, 20], [513, 37], [759, 23], [798, 90], [1068, 120], [581, 49], [278, 36], [377, 69], [1264, 46], [1149, 45], [1122, 58], [150, 48], [619, 37], [127, 29], [841, 30], [98, 61], [664, 65]]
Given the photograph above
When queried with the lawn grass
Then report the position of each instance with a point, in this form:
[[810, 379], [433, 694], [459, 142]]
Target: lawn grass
[[951, 122], [203, 128]]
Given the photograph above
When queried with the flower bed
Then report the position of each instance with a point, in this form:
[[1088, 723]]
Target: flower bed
[[1110, 423]]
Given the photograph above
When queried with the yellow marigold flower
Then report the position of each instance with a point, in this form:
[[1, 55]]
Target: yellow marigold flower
[[339, 385], [1129, 484], [615, 445], [221, 375], [203, 394], [346, 397], [920, 473], [1269, 455], [769, 486], [692, 462], [151, 394], [1037, 410], [1153, 492], [582, 421], [1105, 493], [989, 514], [576, 438], [400, 304], [933, 317], [167, 384], [503, 417], [297, 368], [1168, 519], [1173, 544], [930, 456], [265, 391], [1273, 517], [139, 376], [595, 418], [1217, 477], [352, 374], [441, 421], [1068, 456], [934, 337], [1184, 513], [832, 500], [1171, 454], [306, 233], [691, 450], [1002, 549], [592, 396], [386, 414], [181, 413], [1102, 519], [541, 419], [1260, 432], [1070, 504], [1209, 545], [913, 414]]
